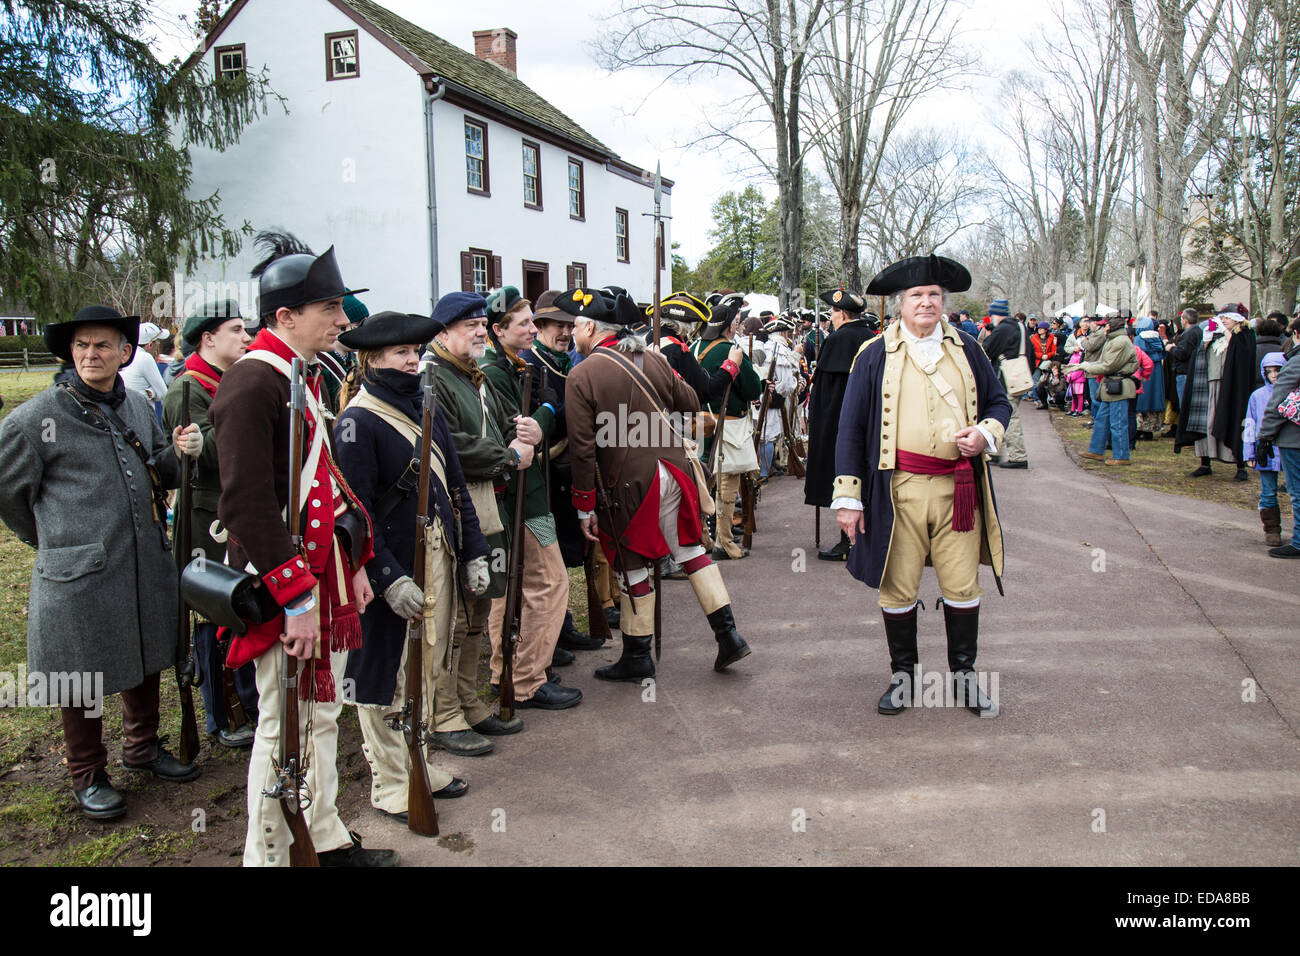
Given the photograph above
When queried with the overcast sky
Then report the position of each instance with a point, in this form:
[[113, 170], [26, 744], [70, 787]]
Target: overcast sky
[[643, 119]]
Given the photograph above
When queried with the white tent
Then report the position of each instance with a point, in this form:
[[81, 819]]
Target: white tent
[[1076, 308]]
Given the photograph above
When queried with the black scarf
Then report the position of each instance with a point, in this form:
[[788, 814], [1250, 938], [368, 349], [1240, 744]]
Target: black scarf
[[399, 389], [112, 398]]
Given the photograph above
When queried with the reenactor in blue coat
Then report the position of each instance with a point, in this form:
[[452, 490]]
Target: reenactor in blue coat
[[922, 410], [375, 439]]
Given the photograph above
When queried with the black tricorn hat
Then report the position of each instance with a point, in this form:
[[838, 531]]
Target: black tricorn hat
[[586, 304], [844, 299], [58, 337], [725, 309], [383, 329], [292, 276], [920, 270]]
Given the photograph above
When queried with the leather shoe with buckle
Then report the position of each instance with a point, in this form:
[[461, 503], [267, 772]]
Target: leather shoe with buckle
[[357, 855], [466, 743], [494, 726], [100, 801], [552, 696], [166, 767]]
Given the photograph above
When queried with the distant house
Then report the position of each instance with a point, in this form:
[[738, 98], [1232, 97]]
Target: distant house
[[429, 168]]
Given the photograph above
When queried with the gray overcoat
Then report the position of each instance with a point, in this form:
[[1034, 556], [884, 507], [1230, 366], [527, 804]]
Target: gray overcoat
[[104, 591]]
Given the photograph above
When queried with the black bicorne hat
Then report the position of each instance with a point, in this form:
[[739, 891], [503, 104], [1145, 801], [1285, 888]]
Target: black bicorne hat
[[586, 304], [920, 270], [845, 300], [383, 329], [293, 276], [724, 311]]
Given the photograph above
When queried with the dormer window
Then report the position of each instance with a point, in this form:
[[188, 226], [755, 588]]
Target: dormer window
[[230, 61]]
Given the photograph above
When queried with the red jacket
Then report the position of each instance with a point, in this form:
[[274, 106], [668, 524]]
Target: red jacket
[[1043, 348]]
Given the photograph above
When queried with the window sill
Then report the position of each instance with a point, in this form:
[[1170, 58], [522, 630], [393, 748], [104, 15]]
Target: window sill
[[538, 207], [577, 218], [478, 192]]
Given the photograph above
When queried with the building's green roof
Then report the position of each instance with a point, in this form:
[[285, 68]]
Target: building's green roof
[[464, 69]]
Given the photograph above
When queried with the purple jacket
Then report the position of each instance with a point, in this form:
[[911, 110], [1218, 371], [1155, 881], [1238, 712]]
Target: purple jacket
[[1255, 409]]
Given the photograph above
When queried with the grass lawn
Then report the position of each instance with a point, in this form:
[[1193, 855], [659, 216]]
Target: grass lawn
[[1156, 466], [17, 387]]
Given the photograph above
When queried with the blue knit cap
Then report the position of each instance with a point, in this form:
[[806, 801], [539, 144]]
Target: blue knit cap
[[999, 307]]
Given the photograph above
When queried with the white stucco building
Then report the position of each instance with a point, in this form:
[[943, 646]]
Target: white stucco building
[[429, 168]]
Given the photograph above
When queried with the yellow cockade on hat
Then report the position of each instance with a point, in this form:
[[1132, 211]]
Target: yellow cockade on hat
[[577, 295], [586, 300]]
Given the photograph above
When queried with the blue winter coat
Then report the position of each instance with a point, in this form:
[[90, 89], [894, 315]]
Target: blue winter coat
[[858, 452], [372, 460], [1152, 398]]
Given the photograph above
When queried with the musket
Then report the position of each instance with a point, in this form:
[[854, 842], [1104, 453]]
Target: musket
[[596, 622], [658, 610], [747, 504], [515, 589], [291, 774], [421, 817], [797, 469], [189, 748], [620, 561]]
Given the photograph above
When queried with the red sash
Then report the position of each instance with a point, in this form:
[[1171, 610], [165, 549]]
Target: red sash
[[963, 476]]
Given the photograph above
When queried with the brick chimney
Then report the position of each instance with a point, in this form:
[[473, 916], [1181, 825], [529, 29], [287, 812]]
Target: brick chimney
[[497, 46]]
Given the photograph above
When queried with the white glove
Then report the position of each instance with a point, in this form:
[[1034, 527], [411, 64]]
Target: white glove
[[188, 442], [405, 598], [477, 576]]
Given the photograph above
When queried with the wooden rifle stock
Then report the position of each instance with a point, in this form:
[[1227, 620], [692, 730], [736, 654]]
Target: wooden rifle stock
[[291, 774], [797, 469], [515, 588], [597, 625], [747, 501], [189, 748], [421, 817]]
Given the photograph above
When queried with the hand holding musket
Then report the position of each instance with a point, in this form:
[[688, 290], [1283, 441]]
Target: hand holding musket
[[290, 782], [189, 749], [515, 588], [421, 816]]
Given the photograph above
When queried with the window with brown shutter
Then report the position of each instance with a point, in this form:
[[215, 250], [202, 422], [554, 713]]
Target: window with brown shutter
[[578, 275], [479, 271]]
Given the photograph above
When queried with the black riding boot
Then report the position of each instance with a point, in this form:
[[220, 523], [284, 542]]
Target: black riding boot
[[731, 646], [963, 624], [900, 632], [635, 663]]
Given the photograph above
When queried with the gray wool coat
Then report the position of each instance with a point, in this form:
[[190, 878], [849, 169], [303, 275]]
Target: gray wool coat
[[104, 591]]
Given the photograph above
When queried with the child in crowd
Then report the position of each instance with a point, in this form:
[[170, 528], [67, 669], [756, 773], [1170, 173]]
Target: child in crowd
[[1269, 513], [1078, 382]]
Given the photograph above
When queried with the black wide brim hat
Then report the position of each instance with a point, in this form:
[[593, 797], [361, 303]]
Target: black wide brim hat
[[58, 337], [382, 329], [920, 270], [845, 300], [724, 312], [292, 281]]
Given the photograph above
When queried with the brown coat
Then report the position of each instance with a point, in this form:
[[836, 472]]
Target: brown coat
[[613, 426]]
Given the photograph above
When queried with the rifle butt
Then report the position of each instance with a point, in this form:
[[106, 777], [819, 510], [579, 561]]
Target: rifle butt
[[302, 852], [421, 817], [597, 626], [189, 747]]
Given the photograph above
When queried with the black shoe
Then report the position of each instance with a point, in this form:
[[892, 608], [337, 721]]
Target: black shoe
[[838, 553], [1013, 464], [572, 639], [100, 801], [166, 767], [613, 617], [900, 635], [553, 696], [561, 657], [494, 726], [402, 818], [1241, 475], [1200, 472], [466, 743], [357, 855], [731, 646], [963, 626], [235, 739], [457, 788], [1169, 433], [634, 664], [719, 554], [1285, 551]]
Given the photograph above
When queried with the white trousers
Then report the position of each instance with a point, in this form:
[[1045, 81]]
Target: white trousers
[[268, 840], [670, 502]]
